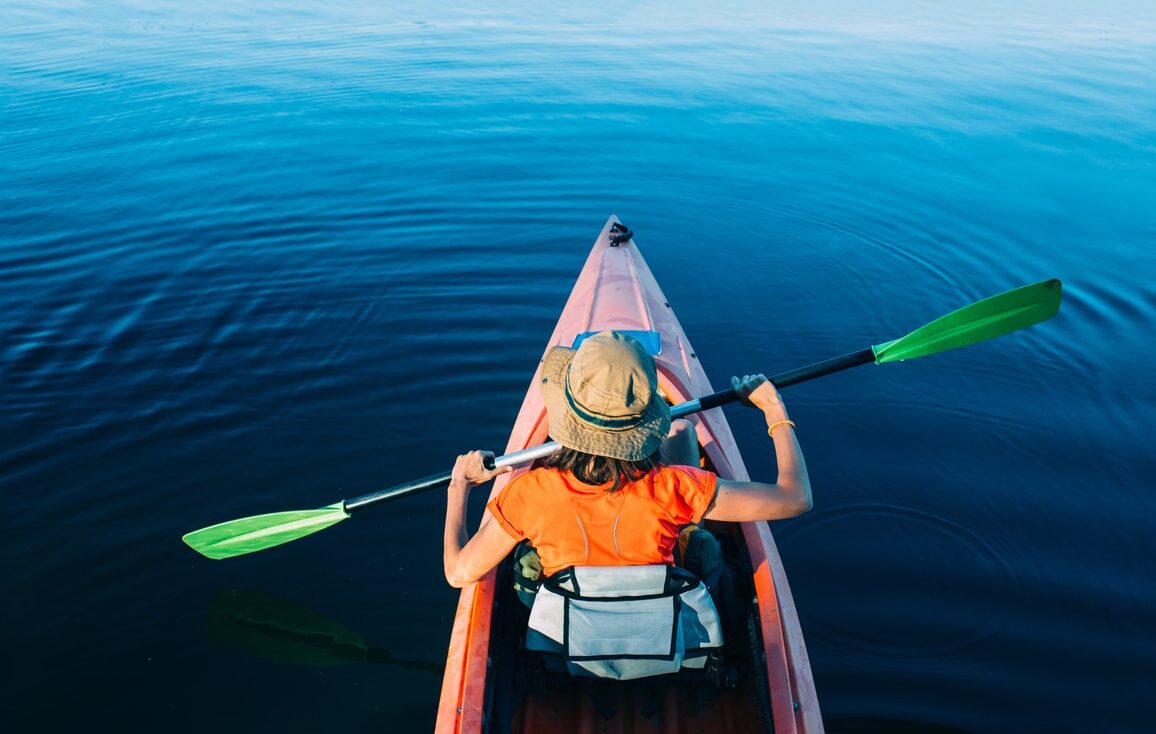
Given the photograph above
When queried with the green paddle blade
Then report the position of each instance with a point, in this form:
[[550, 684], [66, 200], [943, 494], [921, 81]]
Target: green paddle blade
[[251, 534], [986, 319]]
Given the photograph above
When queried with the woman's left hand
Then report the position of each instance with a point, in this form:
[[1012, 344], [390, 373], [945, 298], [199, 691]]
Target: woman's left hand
[[470, 469]]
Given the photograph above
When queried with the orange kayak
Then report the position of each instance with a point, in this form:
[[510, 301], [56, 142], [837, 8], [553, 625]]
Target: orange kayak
[[488, 687]]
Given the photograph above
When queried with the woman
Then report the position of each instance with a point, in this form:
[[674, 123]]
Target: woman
[[627, 480]]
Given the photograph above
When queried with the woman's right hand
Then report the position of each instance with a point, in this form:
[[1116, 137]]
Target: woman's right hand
[[470, 469], [758, 391]]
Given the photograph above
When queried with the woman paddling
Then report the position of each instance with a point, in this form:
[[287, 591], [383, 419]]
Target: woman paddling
[[628, 479]]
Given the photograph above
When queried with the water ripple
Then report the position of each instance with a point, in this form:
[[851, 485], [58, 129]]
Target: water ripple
[[948, 618]]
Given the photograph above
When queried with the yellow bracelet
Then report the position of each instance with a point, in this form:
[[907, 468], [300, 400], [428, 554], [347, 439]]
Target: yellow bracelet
[[776, 424]]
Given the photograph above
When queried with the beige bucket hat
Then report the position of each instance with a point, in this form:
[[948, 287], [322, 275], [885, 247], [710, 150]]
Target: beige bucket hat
[[602, 398]]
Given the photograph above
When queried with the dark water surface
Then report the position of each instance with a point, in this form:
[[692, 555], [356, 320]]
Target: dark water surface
[[259, 257]]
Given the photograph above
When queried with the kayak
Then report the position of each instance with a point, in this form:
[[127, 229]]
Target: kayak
[[491, 685]]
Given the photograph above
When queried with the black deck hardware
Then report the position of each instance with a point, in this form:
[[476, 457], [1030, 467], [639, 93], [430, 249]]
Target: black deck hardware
[[622, 233]]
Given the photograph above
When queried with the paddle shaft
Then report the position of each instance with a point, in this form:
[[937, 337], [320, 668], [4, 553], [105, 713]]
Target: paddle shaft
[[541, 451]]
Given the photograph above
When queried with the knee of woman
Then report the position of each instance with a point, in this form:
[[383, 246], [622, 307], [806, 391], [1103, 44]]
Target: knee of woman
[[680, 426], [681, 444]]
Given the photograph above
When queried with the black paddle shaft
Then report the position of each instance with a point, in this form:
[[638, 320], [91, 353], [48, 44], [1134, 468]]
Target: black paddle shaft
[[786, 379], [714, 400]]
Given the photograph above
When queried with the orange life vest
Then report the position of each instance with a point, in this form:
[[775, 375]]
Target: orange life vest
[[576, 524]]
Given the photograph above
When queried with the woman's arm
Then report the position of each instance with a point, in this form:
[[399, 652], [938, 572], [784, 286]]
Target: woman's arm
[[468, 559], [790, 495]]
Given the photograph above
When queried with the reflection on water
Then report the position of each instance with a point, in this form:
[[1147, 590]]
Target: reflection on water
[[276, 629]]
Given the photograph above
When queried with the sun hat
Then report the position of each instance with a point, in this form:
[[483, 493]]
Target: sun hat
[[602, 398]]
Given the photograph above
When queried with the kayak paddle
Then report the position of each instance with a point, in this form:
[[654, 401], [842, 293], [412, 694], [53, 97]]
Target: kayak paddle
[[987, 319]]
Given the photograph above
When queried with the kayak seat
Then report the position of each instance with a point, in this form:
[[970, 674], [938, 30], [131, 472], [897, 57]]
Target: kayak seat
[[625, 622]]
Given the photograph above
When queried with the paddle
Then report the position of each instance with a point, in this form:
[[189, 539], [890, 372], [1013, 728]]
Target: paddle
[[986, 319]]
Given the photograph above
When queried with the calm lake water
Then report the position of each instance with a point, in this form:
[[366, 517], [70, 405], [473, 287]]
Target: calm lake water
[[260, 256]]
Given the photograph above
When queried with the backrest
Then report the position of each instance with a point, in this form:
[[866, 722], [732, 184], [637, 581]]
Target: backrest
[[624, 622]]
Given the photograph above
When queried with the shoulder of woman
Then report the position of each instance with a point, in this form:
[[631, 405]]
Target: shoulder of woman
[[692, 473], [681, 479], [523, 489], [534, 477]]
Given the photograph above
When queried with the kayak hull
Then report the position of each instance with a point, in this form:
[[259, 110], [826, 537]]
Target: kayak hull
[[616, 290]]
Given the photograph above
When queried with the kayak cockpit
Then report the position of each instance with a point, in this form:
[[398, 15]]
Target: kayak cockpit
[[530, 692]]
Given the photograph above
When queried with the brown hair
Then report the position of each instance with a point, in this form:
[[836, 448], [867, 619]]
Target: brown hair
[[594, 470]]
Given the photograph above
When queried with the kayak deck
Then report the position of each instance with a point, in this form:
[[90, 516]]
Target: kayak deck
[[491, 685]]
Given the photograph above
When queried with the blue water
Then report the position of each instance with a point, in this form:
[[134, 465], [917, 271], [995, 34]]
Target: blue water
[[258, 256]]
